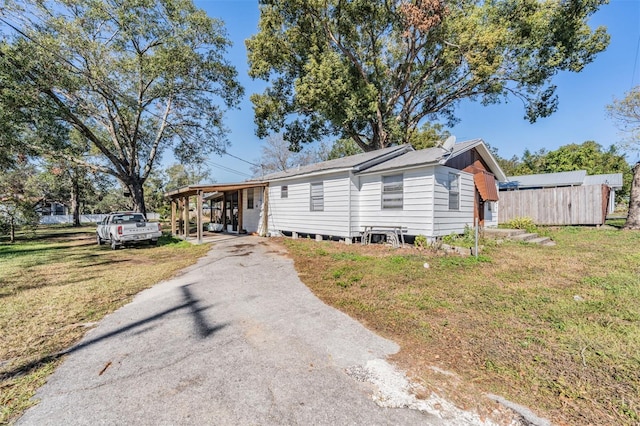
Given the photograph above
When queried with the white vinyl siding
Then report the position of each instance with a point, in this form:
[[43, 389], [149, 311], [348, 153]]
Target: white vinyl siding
[[447, 221], [453, 185], [317, 197], [293, 214], [425, 204], [416, 213], [392, 192]]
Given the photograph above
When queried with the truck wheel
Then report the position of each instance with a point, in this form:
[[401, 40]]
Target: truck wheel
[[153, 242], [114, 245], [100, 240]]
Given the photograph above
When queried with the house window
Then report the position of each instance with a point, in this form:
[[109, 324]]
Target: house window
[[284, 191], [392, 192], [250, 192], [317, 197], [453, 185]]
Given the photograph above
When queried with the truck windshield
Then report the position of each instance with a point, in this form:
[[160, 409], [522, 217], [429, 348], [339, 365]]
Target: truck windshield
[[129, 218]]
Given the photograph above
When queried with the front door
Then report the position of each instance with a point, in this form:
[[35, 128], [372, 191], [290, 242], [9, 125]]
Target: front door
[[231, 209]]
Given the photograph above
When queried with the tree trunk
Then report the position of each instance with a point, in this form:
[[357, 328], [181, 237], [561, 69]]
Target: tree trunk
[[12, 230], [633, 218], [75, 205], [137, 196]]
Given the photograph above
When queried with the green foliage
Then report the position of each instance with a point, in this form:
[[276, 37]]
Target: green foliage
[[133, 79], [429, 135], [462, 261], [343, 148], [626, 113], [525, 223], [354, 257], [20, 193], [589, 156], [466, 239], [420, 242], [373, 71]]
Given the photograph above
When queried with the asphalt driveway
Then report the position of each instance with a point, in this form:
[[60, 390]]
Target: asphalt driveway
[[235, 339]]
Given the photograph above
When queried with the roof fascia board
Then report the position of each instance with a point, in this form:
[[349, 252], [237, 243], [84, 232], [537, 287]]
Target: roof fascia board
[[193, 189]]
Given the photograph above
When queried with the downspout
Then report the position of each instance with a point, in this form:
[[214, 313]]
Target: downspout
[[349, 204], [432, 237], [265, 212]]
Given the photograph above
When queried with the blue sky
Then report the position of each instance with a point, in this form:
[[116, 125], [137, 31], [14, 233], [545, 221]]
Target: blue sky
[[582, 97]]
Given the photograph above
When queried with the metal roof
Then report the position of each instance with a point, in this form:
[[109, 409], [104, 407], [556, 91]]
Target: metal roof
[[355, 162], [191, 190], [614, 180], [437, 155], [572, 178], [413, 158], [543, 180]]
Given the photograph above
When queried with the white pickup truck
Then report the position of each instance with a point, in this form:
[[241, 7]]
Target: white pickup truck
[[127, 228]]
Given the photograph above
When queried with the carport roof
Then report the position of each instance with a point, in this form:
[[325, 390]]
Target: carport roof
[[188, 191]]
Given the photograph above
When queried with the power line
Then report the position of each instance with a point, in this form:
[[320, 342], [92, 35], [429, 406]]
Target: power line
[[241, 159], [227, 169], [635, 62]]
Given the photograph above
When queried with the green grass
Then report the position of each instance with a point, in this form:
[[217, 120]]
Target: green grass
[[554, 328], [55, 284]]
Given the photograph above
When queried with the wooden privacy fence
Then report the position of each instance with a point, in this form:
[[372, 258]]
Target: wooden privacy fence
[[575, 205]]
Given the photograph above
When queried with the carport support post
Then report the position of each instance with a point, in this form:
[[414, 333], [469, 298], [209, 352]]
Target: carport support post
[[185, 217], [174, 208], [199, 221], [265, 212], [240, 224]]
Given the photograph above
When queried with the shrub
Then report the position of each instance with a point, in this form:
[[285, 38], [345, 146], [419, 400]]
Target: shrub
[[466, 239], [420, 242], [525, 223]]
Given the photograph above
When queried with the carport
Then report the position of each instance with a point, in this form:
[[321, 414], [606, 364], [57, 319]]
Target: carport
[[231, 196]]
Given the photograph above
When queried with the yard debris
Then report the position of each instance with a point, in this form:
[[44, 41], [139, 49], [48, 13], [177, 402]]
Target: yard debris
[[107, 365]]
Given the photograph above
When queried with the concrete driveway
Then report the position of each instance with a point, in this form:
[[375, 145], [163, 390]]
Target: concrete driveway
[[235, 339]]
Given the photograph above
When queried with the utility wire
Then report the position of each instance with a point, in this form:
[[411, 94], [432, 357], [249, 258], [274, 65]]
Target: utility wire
[[241, 159], [227, 169], [635, 63]]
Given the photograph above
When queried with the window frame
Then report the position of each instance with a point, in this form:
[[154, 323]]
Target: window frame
[[390, 188], [316, 198], [454, 193], [250, 198], [284, 191]]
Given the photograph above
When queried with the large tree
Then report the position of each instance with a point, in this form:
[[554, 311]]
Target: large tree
[[374, 70], [133, 77], [626, 113]]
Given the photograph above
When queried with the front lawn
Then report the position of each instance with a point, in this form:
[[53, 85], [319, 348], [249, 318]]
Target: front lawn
[[57, 284], [554, 328]]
